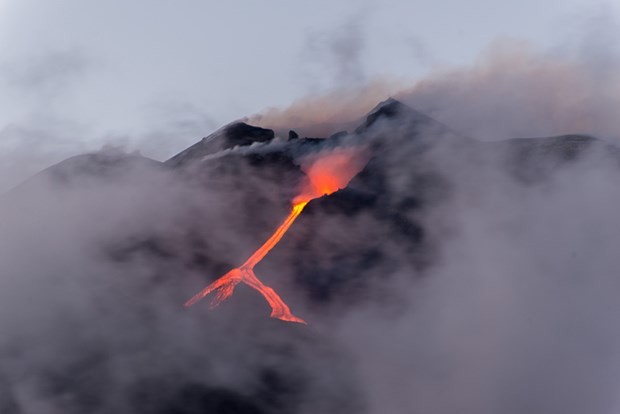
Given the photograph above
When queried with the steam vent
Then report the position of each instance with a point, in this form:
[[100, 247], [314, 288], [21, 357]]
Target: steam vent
[[276, 271]]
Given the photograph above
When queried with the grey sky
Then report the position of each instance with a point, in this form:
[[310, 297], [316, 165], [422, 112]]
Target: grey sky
[[515, 310], [156, 75]]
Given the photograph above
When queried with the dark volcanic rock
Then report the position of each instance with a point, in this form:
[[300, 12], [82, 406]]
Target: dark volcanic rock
[[394, 111], [233, 135], [243, 134]]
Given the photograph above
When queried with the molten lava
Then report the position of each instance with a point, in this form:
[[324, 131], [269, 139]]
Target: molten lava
[[326, 174]]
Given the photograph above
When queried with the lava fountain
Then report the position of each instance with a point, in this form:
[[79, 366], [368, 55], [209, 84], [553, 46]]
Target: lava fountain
[[326, 173]]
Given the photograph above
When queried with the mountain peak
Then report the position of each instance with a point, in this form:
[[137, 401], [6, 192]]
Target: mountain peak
[[232, 135], [392, 109]]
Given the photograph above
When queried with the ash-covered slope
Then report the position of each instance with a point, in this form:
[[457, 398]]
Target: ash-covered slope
[[107, 164], [98, 254], [230, 136]]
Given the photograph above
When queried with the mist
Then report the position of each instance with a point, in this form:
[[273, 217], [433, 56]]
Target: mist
[[457, 272], [515, 312]]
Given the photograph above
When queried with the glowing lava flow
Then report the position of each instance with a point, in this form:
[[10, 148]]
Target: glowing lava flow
[[326, 174], [225, 285]]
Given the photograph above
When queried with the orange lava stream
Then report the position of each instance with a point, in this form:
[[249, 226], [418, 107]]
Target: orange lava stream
[[225, 285], [326, 174]]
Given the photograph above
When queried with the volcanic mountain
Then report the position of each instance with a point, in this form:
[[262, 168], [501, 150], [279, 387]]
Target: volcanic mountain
[[105, 248]]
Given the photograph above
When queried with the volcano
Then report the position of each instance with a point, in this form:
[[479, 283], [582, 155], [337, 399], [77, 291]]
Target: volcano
[[102, 250]]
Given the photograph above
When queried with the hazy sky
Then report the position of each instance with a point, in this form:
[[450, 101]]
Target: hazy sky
[[516, 309], [156, 75]]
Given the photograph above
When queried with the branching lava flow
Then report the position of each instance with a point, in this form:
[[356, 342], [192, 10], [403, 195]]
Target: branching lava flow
[[326, 174]]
